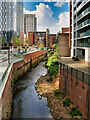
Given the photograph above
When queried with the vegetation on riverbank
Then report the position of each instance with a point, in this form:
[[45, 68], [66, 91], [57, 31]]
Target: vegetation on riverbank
[[52, 63], [48, 86]]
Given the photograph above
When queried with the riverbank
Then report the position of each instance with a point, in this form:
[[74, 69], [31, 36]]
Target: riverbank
[[55, 99]]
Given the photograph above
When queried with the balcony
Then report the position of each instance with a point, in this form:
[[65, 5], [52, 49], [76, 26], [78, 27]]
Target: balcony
[[87, 33], [83, 3], [83, 45], [83, 13], [86, 22]]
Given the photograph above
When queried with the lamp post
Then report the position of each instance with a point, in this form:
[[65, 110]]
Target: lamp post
[[9, 55]]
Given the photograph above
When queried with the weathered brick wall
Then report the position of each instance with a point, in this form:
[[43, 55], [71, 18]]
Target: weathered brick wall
[[77, 90], [63, 44], [7, 97], [17, 70]]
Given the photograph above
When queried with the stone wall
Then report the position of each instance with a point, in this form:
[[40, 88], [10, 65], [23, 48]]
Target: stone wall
[[17, 70]]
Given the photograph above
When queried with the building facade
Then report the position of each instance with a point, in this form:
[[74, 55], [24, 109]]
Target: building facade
[[34, 37], [81, 30], [18, 17], [42, 36], [29, 23], [6, 19], [11, 18], [53, 39]]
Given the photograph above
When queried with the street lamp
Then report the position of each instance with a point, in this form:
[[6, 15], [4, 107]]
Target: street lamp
[[9, 55]]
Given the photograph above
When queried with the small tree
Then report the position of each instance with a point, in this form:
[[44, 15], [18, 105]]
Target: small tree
[[38, 44], [13, 40], [0, 42], [22, 41], [26, 44], [18, 43], [3, 40], [42, 44]]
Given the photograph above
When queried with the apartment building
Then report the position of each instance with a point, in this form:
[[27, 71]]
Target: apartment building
[[53, 39], [11, 18], [6, 19], [81, 30], [18, 17], [42, 36], [29, 23]]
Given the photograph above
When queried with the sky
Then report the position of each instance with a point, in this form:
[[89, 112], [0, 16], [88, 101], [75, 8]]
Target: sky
[[52, 14]]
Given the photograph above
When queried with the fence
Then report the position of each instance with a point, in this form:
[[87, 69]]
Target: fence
[[85, 77]]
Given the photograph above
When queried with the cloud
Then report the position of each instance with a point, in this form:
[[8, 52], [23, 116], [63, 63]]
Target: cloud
[[63, 19], [59, 3], [45, 19]]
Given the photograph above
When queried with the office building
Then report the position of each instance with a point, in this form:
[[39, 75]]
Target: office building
[[30, 23], [81, 30]]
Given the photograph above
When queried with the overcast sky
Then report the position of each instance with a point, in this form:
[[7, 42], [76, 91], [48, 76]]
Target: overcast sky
[[52, 14]]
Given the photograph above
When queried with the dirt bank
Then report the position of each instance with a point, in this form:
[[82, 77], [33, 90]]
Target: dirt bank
[[46, 89]]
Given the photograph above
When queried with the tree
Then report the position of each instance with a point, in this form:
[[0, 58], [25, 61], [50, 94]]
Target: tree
[[18, 44], [38, 44], [3, 40], [0, 42], [26, 44], [13, 40], [42, 44], [22, 41]]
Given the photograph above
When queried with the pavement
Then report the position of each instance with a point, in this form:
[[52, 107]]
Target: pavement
[[3, 64], [14, 56], [76, 64]]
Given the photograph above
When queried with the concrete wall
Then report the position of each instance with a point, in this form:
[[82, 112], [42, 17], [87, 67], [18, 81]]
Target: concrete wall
[[17, 70], [77, 90], [63, 44], [87, 55]]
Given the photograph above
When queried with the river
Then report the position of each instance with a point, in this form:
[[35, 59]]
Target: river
[[27, 103]]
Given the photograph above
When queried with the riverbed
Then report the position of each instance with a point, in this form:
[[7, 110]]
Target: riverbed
[[27, 103]]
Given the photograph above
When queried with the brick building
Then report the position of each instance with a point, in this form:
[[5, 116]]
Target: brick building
[[52, 39], [34, 37], [65, 30]]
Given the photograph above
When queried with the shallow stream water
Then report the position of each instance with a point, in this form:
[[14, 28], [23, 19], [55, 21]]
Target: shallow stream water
[[26, 102]]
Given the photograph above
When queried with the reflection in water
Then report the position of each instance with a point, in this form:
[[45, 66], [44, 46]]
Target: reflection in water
[[27, 103]]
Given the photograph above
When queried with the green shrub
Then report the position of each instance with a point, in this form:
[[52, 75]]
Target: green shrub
[[57, 92], [51, 52], [49, 79], [75, 112], [53, 70], [67, 102]]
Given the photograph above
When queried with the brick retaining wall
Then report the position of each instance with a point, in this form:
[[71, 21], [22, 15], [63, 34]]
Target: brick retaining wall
[[17, 70], [77, 90]]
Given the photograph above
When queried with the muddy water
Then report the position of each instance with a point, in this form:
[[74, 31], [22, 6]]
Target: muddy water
[[26, 102]]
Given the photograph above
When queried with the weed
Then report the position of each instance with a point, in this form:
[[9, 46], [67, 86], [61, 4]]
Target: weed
[[75, 112], [57, 92], [67, 102], [49, 79]]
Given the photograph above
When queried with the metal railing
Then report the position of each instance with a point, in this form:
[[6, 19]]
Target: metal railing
[[83, 45], [83, 76]]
